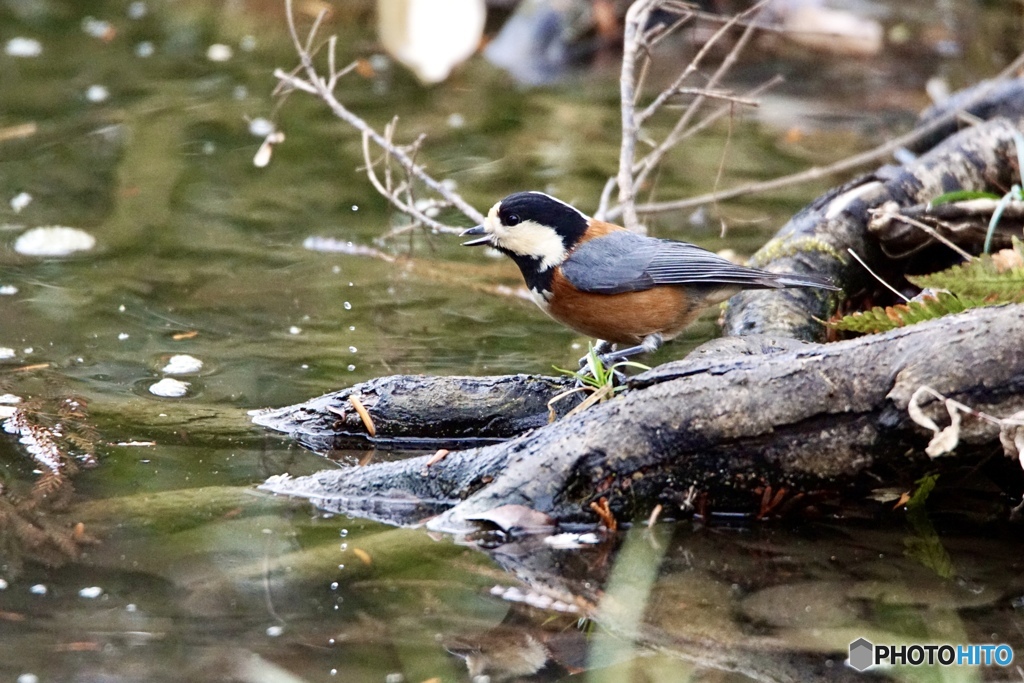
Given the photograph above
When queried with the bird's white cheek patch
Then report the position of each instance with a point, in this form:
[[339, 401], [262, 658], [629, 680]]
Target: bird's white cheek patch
[[530, 238]]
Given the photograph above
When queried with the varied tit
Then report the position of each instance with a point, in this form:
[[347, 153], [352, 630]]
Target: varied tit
[[607, 282]]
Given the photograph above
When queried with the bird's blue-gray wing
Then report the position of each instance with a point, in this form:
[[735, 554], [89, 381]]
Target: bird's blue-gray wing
[[627, 262], [612, 264]]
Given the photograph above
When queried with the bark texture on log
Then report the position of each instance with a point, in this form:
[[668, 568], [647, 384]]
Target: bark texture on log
[[716, 425], [419, 412]]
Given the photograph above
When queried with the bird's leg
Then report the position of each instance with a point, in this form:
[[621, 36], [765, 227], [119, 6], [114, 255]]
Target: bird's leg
[[651, 343], [600, 349]]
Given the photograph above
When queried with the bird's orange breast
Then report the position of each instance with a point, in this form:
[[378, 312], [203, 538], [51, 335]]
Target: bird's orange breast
[[621, 318]]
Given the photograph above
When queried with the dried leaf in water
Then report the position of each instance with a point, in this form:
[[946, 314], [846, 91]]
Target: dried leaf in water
[[518, 518]]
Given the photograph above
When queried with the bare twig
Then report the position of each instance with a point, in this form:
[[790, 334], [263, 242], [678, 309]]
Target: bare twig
[[638, 41], [677, 133], [323, 87], [636, 19], [877, 276], [885, 214], [844, 165]]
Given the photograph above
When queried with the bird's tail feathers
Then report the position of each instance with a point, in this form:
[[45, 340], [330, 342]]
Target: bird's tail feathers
[[794, 280]]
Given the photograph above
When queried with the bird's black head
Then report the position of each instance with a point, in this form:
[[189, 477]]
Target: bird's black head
[[532, 227]]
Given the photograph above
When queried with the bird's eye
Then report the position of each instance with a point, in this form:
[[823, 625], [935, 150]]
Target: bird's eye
[[512, 219]]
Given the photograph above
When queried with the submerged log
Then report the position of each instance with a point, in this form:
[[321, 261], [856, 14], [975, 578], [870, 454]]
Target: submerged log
[[716, 426]]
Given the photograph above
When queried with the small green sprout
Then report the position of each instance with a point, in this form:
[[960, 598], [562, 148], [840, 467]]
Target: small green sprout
[[597, 379]]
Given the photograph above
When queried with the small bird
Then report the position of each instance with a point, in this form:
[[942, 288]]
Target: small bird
[[607, 282]]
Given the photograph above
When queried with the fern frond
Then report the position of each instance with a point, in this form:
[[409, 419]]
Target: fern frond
[[993, 279], [880, 319]]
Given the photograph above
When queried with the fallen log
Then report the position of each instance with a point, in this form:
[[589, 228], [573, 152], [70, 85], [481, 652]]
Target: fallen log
[[418, 413], [716, 426]]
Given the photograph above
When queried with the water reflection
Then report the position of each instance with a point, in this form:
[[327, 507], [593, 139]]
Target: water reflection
[[131, 122], [250, 580]]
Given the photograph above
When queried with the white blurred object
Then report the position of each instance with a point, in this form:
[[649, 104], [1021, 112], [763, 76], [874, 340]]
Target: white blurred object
[[169, 388], [23, 47], [218, 52], [809, 23], [937, 88], [182, 364], [431, 37], [20, 201], [53, 240]]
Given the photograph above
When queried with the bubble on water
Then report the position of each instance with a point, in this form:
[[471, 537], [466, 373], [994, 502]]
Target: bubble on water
[[90, 592], [28, 678], [219, 52], [275, 631], [53, 240], [23, 47], [38, 589], [137, 9], [343, 533], [122, 336], [8, 290], [352, 349], [98, 28], [343, 547], [145, 49], [97, 93], [20, 201], [261, 127], [334, 585], [351, 368], [347, 304], [294, 329]]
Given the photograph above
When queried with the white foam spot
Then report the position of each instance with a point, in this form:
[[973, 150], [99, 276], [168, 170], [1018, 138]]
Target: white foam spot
[[182, 364], [169, 388], [53, 240], [23, 47]]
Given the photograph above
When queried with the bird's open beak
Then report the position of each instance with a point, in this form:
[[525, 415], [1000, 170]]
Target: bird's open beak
[[478, 230]]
